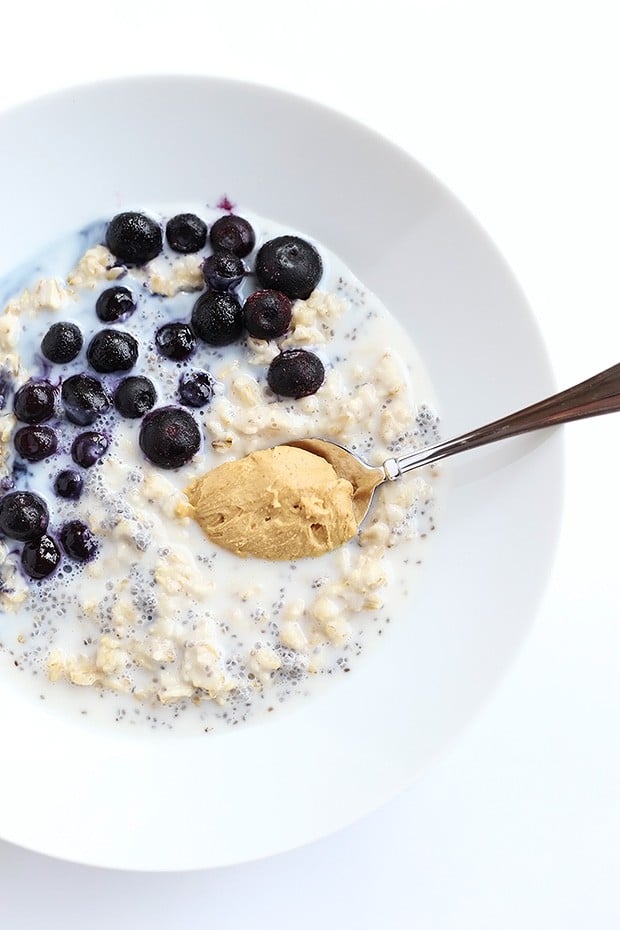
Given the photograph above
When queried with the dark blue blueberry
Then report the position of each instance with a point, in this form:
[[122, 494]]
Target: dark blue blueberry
[[289, 264], [196, 388], [87, 448], [115, 303], [134, 396], [296, 373], [175, 341], [267, 314], [223, 270], [62, 343], [217, 318], [69, 484], [78, 541], [186, 233], [23, 515], [169, 437], [84, 399], [112, 350], [232, 233], [40, 557], [34, 402], [134, 238], [35, 443]]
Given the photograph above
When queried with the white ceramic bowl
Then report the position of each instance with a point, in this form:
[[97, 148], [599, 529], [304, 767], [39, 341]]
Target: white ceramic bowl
[[167, 804]]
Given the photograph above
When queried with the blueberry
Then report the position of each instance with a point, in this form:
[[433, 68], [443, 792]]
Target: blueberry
[[217, 318], [134, 396], [232, 233], [296, 373], [84, 398], [34, 402], [112, 350], [115, 303], [87, 448], [186, 233], [134, 238], [196, 388], [35, 443], [289, 264], [175, 341], [223, 270], [78, 541], [23, 515], [267, 314], [69, 484], [40, 557], [62, 343], [169, 437]]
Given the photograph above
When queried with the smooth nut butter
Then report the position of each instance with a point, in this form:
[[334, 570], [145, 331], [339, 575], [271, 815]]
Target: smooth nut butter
[[280, 504]]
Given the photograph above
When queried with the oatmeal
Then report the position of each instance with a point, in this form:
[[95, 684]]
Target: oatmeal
[[138, 378]]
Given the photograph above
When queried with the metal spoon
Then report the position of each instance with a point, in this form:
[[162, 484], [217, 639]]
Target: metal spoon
[[599, 394]]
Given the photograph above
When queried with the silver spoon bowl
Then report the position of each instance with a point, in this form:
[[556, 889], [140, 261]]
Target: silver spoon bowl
[[593, 397]]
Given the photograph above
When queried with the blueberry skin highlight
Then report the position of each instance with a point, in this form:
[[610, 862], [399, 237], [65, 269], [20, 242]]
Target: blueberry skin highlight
[[295, 373], [232, 233], [175, 341], [40, 557], [68, 484], [84, 398], [134, 238], [186, 233], [169, 437], [35, 443], [223, 271], [78, 541], [135, 396], [62, 343], [88, 448], [112, 350], [196, 388], [217, 318], [267, 314], [23, 515], [115, 303], [34, 401], [289, 264]]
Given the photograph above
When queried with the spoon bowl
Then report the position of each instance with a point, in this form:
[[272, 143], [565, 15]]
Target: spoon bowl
[[364, 478]]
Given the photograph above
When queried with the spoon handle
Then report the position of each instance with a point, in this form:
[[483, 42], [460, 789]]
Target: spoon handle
[[599, 394]]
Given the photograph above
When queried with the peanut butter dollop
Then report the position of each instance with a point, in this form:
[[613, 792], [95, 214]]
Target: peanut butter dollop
[[281, 504]]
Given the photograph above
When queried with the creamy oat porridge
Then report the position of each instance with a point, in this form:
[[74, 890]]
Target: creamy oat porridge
[[125, 377]]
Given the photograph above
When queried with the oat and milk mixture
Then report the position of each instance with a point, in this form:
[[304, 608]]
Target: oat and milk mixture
[[129, 612]]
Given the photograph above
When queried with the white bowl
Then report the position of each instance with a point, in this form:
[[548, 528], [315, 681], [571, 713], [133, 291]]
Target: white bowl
[[178, 803]]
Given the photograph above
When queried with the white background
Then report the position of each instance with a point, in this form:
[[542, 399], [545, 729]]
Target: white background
[[515, 106]]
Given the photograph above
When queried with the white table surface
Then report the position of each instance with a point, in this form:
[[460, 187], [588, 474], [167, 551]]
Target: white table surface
[[515, 107]]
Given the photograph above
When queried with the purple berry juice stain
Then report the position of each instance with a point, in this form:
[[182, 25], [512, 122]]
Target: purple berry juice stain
[[225, 204]]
